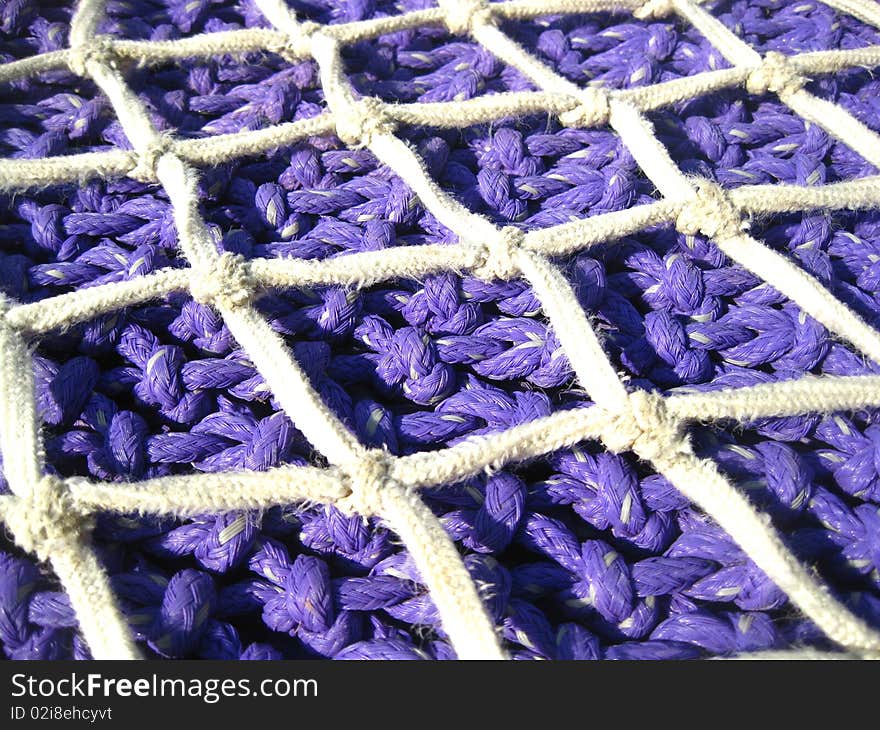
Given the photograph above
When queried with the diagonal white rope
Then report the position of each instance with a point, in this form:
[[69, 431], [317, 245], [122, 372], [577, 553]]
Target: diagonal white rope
[[643, 425], [50, 516], [775, 73], [865, 10], [462, 613], [41, 516]]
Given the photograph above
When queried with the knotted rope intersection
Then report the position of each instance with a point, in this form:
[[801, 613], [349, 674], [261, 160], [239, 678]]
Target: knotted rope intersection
[[52, 517]]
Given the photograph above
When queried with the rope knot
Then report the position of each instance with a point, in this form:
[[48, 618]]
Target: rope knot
[[225, 282], [775, 75], [299, 41], [462, 16], [499, 255], [366, 476], [591, 109], [709, 212], [655, 9], [362, 121], [645, 428], [148, 158], [47, 519], [99, 48]]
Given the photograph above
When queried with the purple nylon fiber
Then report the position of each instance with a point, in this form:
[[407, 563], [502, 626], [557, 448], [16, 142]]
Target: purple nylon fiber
[[581, 554]]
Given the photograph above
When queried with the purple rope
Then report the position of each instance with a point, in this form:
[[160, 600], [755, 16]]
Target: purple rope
[[582, 554]]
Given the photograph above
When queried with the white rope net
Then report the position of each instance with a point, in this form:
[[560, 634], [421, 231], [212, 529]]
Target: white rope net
[[50, 516]]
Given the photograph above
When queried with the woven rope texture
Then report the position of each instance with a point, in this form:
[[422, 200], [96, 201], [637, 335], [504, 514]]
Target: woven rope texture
[[540, 328]]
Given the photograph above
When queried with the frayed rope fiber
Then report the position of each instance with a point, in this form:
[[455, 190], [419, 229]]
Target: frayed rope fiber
[[372, 330]]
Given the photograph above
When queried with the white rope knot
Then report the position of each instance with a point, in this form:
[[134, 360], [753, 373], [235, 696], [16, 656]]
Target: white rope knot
[[591, 109], [299, 41], [710, 212], [99, 49], [462, 16], [225, 283], [499, 255], [775, 75], [645, 428], [148, 159], [44, 521], [363, 120], [655, 9], [367, 476]]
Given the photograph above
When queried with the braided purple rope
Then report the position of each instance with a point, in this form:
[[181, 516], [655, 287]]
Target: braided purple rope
[[580, 555]]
